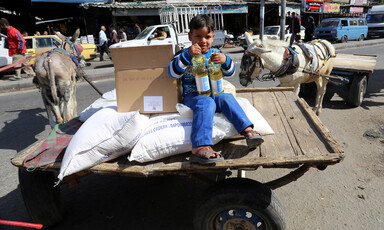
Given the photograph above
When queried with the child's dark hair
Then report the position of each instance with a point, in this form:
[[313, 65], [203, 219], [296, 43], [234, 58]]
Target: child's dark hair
[[200, 21]]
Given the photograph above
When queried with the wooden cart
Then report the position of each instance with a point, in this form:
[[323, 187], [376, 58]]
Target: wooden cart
[[300, 142], [350, 78]]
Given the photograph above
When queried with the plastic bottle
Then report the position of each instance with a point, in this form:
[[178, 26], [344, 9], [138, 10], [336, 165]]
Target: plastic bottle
[[201, 75], [216, 78]]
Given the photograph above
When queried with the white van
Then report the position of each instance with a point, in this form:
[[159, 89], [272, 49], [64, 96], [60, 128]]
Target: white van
[[5, 59]]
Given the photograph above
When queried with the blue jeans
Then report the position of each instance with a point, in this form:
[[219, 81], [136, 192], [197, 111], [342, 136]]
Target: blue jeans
[[204, 109]]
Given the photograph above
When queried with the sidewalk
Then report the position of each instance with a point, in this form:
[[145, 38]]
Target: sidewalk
[[104, 70]]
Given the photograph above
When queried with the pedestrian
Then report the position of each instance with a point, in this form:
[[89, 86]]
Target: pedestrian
[[45, 33], [37, 33], [201, 35], [136, 30], [103, 43], [25, 34], [114, 37], [16, 48], [294, 26], [123, 35], [309, 29]]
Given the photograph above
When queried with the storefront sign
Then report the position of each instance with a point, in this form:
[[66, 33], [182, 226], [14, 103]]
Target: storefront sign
[[314, 5], [356, 9], [356, 2], [331, 8]]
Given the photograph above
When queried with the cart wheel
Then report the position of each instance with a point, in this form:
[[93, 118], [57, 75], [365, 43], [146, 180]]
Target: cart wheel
[[41, 199], [344, 39], [357, 90], [239, 203]]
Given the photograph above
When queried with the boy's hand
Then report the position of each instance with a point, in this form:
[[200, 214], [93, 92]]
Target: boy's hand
[[194, 50], [218, 58]]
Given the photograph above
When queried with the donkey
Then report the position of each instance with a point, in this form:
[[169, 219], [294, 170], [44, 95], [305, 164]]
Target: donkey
[[294, 66], [56, 77]]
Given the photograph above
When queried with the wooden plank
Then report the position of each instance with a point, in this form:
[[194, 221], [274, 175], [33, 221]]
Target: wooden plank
[[326, 134], [355, 62], [279, 144], [271, 89], [306, 137]]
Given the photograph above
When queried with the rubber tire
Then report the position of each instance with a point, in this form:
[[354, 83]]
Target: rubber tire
[[41, 199], [361, 38], [344, 39], [239, 193], [357, 90]]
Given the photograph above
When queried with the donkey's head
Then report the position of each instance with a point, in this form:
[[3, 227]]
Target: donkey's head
[[73, 47], [251, 64]]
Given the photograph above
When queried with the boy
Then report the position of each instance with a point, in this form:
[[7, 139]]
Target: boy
[[201, 35]]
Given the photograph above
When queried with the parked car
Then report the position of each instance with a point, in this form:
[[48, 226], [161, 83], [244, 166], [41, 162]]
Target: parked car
[[5, 59], [375, 20], [40, 44], [273, 32], [342, 29]]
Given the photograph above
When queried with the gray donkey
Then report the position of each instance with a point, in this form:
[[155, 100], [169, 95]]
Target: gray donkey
[[56, 77]]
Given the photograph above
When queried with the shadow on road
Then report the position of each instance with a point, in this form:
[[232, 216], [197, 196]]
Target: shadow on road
[[21, 132]]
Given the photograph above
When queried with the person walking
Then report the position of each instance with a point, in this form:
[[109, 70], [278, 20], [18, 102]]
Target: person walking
[[114, 37], [309, 29], [136, 30], [103, 43], [123, 35], [294, 26], [16, 48]]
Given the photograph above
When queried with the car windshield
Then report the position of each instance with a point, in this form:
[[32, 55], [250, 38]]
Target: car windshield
[[271, 30], [375, 18], [144, 33], [329, 23]]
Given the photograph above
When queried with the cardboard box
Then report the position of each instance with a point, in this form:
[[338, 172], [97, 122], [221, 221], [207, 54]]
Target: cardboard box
[[142, 80]]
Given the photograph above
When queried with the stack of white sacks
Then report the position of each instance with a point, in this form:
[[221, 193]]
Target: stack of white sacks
[[107, 134]]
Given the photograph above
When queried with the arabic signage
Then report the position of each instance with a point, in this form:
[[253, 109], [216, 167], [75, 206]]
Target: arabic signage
[[314, 5], [356, 9], [331, 8], [357, 2]]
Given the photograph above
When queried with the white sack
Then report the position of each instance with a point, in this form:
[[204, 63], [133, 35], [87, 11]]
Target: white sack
[[108, 100], [167, 135], [104, 136]]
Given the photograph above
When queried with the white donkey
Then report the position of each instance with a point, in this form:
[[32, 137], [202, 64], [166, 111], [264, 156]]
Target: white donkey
[[294, 66]]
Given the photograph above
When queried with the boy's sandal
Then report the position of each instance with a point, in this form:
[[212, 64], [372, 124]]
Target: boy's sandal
[[253, 138], [205, 155]]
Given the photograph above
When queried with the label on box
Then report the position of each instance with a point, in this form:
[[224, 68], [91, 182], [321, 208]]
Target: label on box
[[153, 103]]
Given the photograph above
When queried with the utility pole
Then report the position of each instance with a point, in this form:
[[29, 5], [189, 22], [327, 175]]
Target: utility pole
[[262, 7], [282, 20]]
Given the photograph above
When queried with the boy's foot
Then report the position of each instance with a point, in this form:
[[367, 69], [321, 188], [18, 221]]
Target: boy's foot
[[253, 138], [205, 155]]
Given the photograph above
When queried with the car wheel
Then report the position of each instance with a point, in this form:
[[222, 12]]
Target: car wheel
[[344, 39], [361, 38]]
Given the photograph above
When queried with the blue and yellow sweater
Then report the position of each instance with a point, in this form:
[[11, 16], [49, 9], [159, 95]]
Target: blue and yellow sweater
[[181, 68]]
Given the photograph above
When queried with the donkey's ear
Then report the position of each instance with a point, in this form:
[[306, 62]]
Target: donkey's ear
[[75, 35], [62, 37]]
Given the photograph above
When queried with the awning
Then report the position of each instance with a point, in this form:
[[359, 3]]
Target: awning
[[53, 20], [151, 8], [70, 1]]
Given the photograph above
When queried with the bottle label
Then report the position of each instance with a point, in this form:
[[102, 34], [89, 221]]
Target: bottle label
[[217, 86], [202, 83]]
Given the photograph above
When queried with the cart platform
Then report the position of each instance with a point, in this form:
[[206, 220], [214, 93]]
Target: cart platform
[[300, 138], [355, 62]]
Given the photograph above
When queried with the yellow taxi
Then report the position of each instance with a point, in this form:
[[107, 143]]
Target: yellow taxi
[[40, 44]]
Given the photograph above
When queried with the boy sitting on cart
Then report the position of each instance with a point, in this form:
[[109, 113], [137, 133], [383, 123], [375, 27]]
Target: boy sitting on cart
[[204, 107]]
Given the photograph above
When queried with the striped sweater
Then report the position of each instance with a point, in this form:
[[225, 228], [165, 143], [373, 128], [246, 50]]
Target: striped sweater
[[181, 68]]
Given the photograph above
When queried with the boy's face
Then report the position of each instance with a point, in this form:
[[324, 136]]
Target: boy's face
[[202, 37]]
